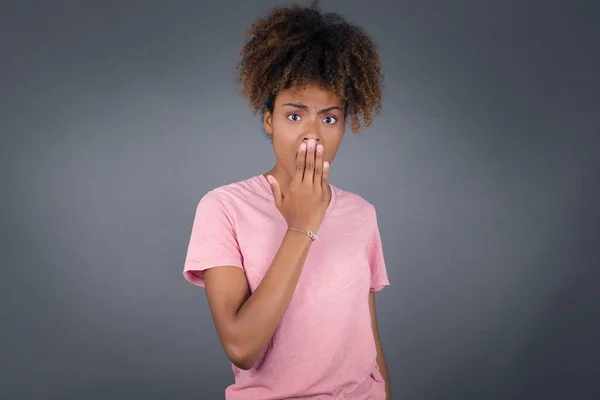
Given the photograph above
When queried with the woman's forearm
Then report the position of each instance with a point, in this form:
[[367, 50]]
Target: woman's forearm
[[384, 371], [261, 313]]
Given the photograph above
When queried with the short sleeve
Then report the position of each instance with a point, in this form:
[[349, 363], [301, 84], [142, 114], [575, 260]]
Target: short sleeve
[[379, 278], [213, 241]]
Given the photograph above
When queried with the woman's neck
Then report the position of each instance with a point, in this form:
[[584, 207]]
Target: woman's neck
[[282, 177]]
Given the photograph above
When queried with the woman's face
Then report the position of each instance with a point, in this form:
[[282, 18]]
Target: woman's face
[[313, 113]]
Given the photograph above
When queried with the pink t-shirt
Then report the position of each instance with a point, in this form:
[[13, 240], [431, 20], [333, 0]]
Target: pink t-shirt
[[323, 347]]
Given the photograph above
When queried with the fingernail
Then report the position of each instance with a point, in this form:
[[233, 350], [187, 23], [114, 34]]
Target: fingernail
[[303, 146], [270, 179], [325, 165], [311, 143], [319, 148]]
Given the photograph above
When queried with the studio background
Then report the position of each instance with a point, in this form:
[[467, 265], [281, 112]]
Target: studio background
[[118, 116]]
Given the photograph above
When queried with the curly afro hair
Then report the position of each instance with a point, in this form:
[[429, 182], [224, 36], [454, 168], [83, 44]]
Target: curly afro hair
[[294, 46]]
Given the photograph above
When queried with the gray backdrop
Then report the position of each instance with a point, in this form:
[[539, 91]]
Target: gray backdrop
[[117, 116]]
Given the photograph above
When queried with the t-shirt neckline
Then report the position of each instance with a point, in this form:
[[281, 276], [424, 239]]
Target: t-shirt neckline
[[330, 207]]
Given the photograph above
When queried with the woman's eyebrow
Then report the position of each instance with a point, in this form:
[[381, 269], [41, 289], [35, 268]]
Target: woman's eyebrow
[[304, 107]]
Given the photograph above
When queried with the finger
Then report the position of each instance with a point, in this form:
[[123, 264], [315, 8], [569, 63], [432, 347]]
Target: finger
[[318, 166], [276, 190], [300, 160], [309, 167], [325, 177]]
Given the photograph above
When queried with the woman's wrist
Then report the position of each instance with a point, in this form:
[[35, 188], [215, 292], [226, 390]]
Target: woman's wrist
[[298, 235], [312, 235]]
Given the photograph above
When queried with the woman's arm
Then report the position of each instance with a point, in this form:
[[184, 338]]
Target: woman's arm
[[380, 358], [244, 322]]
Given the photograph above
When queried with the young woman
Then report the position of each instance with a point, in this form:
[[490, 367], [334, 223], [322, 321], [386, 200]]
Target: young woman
[[289, 262]]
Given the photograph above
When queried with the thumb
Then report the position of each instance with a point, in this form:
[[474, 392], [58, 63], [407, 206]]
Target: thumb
[[276, 190]]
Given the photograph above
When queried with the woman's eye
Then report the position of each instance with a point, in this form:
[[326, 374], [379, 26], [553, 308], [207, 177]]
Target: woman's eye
[[330, 120], [294, 117]]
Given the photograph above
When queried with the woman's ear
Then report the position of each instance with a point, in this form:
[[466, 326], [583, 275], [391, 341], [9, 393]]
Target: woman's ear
[[268, 122]]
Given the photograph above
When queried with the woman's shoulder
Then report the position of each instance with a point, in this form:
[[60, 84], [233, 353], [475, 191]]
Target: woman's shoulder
[[242, 191]]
